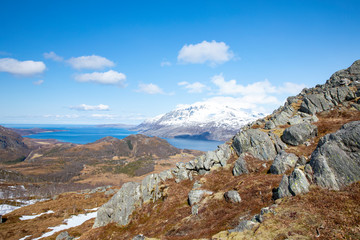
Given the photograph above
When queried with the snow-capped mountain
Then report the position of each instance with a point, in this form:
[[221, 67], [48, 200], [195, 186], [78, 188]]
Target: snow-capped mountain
[[207, 120]]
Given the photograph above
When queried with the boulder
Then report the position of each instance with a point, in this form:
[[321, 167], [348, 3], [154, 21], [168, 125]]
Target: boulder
[[232, 196], [314, 103], [298, 134], [283, 189], [165, 175], [256, 142], [64, 236], [293, 185], [139, 237], [180, 172], [240, 167], [195, 196], [336, 160], [119, 208], [150, 188], [298, 182], [243, 225], [283, 162]]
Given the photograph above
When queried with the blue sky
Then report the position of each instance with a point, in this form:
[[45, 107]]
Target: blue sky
[[96, 62]]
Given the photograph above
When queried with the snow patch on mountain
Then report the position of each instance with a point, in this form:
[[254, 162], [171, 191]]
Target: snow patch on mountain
[[216, 120]]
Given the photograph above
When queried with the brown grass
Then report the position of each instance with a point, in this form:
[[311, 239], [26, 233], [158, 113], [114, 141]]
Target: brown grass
[[171, 217], [332, 214], [64, 206], [329, 122]]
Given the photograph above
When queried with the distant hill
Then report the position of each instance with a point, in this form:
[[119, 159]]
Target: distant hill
[[202, 120], [12, 146]]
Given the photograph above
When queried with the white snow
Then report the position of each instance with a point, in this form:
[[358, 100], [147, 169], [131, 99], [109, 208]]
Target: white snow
[[74, 221], [201, 113], [28, 217], [25, 237], [5, 208]]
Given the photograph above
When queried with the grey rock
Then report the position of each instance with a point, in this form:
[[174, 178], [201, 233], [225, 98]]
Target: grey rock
[[336, 160], [232, 196], [139, 237], [309, 173], [195, 209], [283, 162], [150, 188], [109, 192], [243, 225], [270, 125], [256, 142], [298, 134], [165, 175], [283, 189], [195, 196], [223, 153], [314, 103], [119, 208], [298, 182], [356, 106], [196, 185], [180, 172], [302, 160], [295, 120], [279, 145], [64, 236], [240, 167]]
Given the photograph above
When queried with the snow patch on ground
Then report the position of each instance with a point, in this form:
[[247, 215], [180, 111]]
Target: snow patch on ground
[[74, 221], [6, 208], [25, 237], [28, 217]]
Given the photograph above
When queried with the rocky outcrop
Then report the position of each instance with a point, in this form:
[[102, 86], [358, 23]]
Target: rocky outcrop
[[292, 185], [203, 163], [283, 162], [232, 196], [255, 142], [127, 199], [64, 236], [336, 160], [240, 167], [299, 133]]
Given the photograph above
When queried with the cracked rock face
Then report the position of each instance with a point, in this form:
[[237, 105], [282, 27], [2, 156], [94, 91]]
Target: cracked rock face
[[256, 142], [336, 160], [283, 162], [299, 133]]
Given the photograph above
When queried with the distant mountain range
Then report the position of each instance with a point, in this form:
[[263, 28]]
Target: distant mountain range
[[202, 120]]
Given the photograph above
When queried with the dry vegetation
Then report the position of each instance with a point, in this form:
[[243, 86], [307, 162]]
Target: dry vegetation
[[64, 206], [320, 214], [170, 218]]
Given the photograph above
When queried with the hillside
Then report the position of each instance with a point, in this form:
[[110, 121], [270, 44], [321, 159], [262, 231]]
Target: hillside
[[291, 175], [12, 147], [202, 120], [97, 162]]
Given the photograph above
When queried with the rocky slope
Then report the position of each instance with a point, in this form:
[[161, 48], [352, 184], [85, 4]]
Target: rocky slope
[[269, 152], [203, 120]]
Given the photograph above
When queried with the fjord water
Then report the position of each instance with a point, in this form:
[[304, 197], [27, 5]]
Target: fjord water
[[82, 134]]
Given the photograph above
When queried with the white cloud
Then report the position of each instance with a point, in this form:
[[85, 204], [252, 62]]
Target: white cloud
[[25, 68], [39, 82], [150, 88], [90, 62], [110, 78], [104, 116], [256, 95], [195, 87], [291, 88], [165, 63], [85, 107], [53, 56], [212, 52], [60, 116]]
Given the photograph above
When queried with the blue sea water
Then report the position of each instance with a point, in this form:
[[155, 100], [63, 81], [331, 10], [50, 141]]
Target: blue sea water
[[82, 134]]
